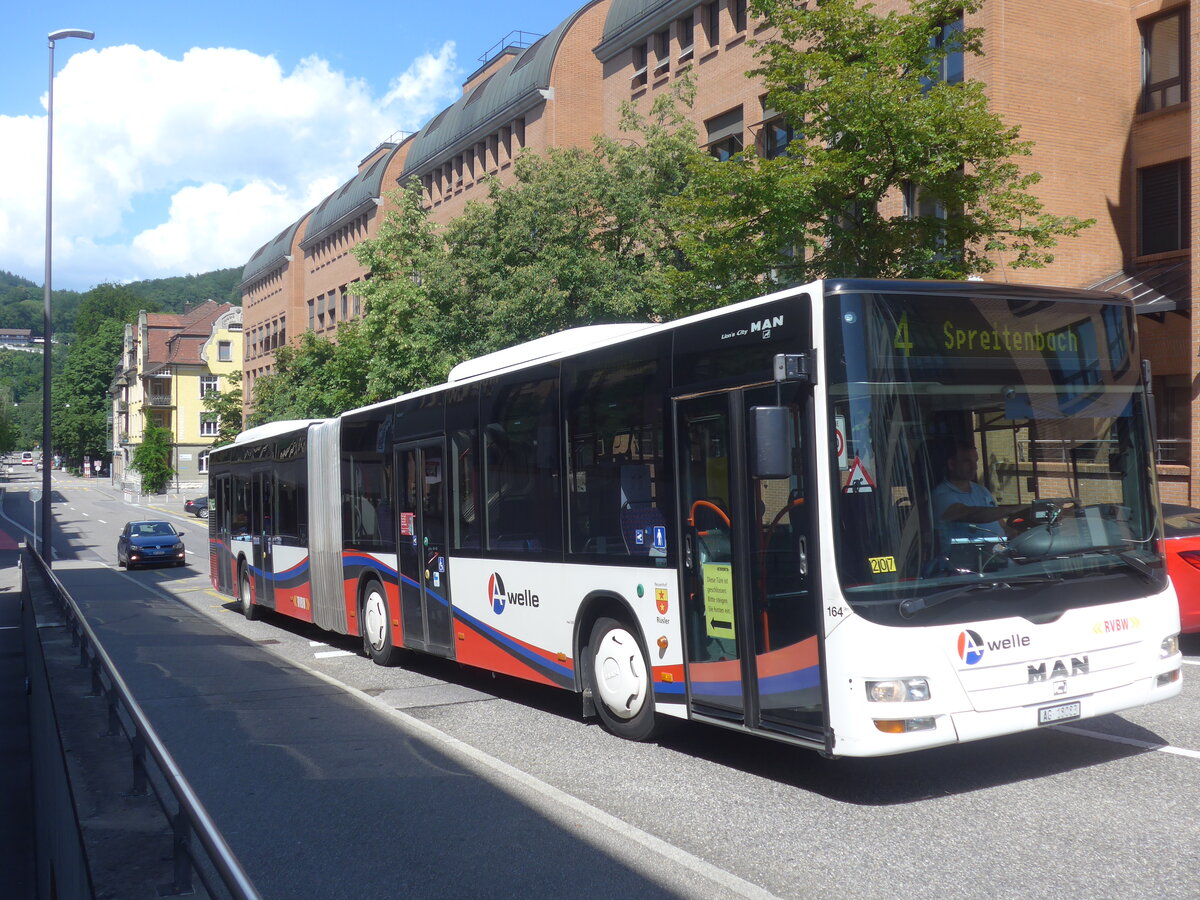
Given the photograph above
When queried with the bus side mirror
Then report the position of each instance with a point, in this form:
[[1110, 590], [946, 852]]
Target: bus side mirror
[[770, 434]]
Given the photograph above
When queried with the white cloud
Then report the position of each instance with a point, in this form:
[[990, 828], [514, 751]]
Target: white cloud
[[226, 146]]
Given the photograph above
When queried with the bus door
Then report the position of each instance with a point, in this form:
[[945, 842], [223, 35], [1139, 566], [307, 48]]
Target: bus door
[[748, 565], [219, 519], [262, 530], [422, 545]]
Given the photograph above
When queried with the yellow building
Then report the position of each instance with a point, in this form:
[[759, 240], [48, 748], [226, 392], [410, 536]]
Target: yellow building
[[169, 363]]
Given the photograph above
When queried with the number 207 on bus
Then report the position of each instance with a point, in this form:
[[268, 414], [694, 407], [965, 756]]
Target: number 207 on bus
[[864, 517]]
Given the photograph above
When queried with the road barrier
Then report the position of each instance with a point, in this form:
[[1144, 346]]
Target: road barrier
[[154, 770]]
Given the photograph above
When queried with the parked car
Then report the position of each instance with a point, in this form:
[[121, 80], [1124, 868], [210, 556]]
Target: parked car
[[150, 542], [197, 507], [1181, 528], [27, 458]]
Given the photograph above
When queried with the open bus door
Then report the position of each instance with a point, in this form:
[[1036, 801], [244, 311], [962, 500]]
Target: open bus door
[[750, 585]]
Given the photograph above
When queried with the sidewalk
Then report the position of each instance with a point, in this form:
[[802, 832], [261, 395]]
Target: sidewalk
[[16, 796]]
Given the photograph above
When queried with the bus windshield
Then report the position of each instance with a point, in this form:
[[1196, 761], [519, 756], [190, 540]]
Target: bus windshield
[[993, 457]]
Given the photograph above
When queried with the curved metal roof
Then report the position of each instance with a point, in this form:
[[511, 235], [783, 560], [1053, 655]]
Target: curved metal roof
[[271, 253], [364, 186], [503, 90], [630, 20]]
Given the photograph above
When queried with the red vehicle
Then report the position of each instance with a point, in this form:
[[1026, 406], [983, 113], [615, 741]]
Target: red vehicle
[[1181, 528]]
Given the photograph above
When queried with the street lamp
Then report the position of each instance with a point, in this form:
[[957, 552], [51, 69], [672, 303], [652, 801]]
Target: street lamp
[[46, 331]]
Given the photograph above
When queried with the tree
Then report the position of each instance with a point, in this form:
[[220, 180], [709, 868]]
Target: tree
[[227, 407], [315, 378], [9, 432], [581, 237], [80, 398], [152, 458], [873, 119]]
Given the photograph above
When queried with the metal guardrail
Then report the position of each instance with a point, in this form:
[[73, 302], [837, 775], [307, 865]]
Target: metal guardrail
[[189, 816]]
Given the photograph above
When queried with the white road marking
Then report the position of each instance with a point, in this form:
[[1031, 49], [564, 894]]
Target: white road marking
[[1191, 662], [101, 521], [331, 653], [1132, 742]]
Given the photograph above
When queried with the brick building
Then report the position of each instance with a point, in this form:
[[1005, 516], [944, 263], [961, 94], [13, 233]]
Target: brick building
[[1102, 88]]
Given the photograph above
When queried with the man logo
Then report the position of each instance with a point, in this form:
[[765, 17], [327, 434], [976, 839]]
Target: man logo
[[496, 589], [970, 647]]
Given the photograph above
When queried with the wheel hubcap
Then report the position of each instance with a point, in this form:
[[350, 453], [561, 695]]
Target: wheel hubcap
[[375, 623], [621, 673]]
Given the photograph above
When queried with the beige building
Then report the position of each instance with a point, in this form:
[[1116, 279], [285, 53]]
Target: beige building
[[169, 363], [1102, 88]]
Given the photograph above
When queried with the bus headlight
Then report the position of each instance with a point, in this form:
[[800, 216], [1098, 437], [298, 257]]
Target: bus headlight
[[1170, 646], [898, 690]]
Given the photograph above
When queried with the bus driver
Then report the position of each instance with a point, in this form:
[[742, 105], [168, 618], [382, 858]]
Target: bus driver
[[964, 511]]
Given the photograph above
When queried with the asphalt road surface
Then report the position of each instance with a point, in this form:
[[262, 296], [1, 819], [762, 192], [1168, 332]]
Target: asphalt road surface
[[333, 777]]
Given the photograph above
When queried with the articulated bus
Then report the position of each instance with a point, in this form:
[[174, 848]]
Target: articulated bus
[[732, 517]]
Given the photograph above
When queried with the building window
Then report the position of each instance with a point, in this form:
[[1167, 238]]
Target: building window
[[725, 134], [1163, 207], [662, 52], [776, 135], [950, 67], [209, 425], [202, 462], [311, 315], [208, 385], [685, 28], [739, 15], [1164, 61], [345, 304], [712, 23], [225, 351], [639, 66]]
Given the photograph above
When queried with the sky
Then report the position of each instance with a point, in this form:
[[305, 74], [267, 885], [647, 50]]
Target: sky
[[186, 136]]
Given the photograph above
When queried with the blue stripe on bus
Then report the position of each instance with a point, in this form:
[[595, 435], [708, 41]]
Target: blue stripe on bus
[[499, 638], [367, 562]]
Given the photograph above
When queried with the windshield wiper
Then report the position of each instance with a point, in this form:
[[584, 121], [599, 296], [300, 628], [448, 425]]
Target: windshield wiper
[[913, 605]]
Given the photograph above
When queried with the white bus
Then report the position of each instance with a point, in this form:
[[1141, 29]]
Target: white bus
[[733, 518]]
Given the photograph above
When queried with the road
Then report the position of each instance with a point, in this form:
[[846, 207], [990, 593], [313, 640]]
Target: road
[[1101, 808]]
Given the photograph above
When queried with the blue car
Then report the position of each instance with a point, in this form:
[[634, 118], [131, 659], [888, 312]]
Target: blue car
[[150, 543]]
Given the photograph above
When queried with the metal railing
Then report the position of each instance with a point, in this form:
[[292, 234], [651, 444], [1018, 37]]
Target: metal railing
[[159, 400], [1167, 451], [189, 817]]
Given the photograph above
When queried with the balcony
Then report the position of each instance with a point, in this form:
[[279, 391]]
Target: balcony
[[122, 406], [159, 400]]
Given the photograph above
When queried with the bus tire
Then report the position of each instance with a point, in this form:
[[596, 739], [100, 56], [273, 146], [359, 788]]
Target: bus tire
[[246, 595], [376, 633], [619, 678]]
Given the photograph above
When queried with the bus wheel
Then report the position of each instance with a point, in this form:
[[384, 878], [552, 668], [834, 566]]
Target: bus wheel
[[377, 636], [620, 681], [249, 610]]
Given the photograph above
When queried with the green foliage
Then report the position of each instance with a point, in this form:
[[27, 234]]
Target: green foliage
[[22, 301], [581, 237], [80, 397], [862, 92], [227, 406], [9, 432], [174, 293], [152, 458], [315, 378]]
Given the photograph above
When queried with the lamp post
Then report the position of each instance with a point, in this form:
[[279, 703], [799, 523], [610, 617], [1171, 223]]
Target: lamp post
[[46, 330]]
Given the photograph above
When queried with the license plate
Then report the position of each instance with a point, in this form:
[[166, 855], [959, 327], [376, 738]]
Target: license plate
[[1064, 712], [155, 552]]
